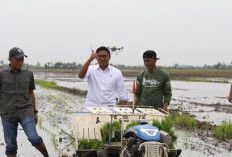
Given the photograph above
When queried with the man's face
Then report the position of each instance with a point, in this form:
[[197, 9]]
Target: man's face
[[103, 58], [16, 63], [149, 63]]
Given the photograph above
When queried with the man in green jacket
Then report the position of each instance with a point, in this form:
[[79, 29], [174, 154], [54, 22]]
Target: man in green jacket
[[153, 86]]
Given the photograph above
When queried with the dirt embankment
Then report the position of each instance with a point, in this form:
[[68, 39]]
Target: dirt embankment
[[174, 73], [194, 73], [204, 73]]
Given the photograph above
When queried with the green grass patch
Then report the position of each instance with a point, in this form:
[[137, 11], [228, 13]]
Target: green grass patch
[[72, 139], [184, 121], [40, 123], [89, 144], [223, 131], [133, 123], [54, 143], [53, 85], [201, 80], [46, 84], [116, 127], [167, 126], [53, 124]]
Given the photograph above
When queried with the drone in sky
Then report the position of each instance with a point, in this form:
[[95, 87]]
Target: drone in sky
[[115, 49]]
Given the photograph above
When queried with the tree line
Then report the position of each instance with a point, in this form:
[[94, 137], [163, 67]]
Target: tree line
[[74, 65]]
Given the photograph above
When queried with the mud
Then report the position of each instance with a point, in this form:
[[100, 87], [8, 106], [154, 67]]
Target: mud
[[207, 102]]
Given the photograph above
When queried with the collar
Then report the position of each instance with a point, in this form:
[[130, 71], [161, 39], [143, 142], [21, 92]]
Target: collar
[[9, 69], [109, 67]]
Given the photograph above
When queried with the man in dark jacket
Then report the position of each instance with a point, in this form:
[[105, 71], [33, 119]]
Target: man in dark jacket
[[17, 104]]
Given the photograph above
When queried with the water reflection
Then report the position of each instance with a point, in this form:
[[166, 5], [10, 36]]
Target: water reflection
[[200, 99], [190, 96]]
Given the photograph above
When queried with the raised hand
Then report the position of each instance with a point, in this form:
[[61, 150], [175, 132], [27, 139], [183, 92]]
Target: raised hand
[[93, 55]]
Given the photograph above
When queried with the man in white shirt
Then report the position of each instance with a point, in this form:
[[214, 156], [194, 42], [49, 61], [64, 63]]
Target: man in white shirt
[[105, 82]]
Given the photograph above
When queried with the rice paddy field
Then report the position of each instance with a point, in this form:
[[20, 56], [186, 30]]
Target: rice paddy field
[[206, 102]]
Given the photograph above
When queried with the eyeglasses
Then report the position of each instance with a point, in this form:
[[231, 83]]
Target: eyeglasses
[[19, 59], [102, 56]]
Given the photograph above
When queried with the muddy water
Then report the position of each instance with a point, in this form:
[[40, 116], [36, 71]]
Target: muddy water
[[193, 146], [189, 96], [207, 101], [25, 149], [55, 113]]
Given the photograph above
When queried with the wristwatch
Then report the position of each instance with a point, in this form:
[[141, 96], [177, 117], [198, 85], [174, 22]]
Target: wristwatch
[[35, 111]]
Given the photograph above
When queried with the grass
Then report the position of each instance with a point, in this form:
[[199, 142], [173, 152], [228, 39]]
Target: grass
[[184, 121], [53, 125], [72, 139], [201, 80], [53, 85], [89, 144], [133, 123], [167, 126], [116, 127], [40, 123], [55, 108], [54, 143], [46, 84], [223, 131]]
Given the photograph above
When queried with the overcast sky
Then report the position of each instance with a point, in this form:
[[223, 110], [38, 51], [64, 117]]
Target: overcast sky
[[187, 32]]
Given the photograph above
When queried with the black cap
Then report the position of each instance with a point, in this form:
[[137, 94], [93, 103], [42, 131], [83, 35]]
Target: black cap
[[150, 54], [16, 53]]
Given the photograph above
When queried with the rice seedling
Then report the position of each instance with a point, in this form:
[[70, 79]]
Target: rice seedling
[[90, 144], [40, 123], [116, 127], [53, 85], [207, 128], [133, 123], [223, 131], [54, 143], [46, 84], [51, 115], [167, 126], [53, 124], [184, 121], [72, 139], [55, 107]]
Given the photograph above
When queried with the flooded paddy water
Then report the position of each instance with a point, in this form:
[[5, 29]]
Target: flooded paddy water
[[206, 101]]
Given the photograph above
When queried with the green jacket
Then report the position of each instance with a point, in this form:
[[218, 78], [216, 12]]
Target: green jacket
[[153, 88]]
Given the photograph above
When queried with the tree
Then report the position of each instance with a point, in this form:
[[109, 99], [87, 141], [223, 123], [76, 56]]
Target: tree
[[2, 62], [38, 65]]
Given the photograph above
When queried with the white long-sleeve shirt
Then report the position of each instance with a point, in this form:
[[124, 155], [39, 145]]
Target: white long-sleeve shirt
[[104, 86]]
